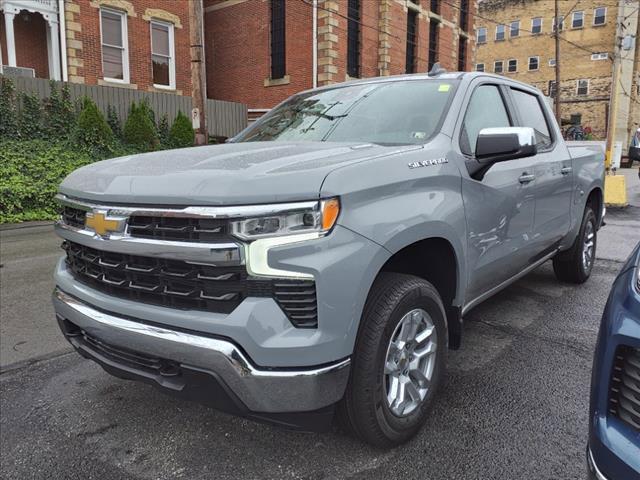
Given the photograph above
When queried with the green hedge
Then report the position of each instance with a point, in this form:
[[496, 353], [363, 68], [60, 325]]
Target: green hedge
[[30, 172]]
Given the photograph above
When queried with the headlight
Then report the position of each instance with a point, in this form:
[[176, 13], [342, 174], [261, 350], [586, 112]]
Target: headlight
[[315, 217]]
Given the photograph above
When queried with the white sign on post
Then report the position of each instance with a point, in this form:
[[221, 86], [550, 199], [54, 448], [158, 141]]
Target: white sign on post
[[195, 118]]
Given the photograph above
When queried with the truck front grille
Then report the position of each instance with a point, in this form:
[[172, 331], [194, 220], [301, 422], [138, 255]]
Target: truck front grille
[[624, 393], [189, 286], [184, 229], [73, 217]]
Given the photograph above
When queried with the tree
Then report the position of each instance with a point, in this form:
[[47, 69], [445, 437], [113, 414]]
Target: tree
[[92, 130], [139, 129]]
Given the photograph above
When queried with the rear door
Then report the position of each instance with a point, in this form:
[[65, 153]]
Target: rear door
[[500, 206], [553, 172]]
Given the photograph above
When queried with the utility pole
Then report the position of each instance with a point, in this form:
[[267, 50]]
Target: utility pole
[[558, 22], [198, 81]]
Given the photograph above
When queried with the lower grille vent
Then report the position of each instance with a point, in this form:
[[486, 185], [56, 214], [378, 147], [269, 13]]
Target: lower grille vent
[[624, 394]]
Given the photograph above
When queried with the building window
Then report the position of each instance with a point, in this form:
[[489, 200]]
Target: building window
[[412, 23], [536, 25], [479, 67], [599, 56], [551, 89], [353, 39], [278, 56], [163, 55], [462, 53], [582, 87], [115, 55], [464, 14], [498, 66], [481, 35], [600, 16], [552, 62], [434, 30], [435, 6], [553, 24], [514, 30], [577, 20], [534, 63], [512, 66], [500, 29]]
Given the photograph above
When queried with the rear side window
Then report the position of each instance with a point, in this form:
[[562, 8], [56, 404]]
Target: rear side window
[[531, 113], [486, 110]]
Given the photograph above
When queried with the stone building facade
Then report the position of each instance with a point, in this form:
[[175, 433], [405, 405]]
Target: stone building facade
[[515, 38], [259, 52]]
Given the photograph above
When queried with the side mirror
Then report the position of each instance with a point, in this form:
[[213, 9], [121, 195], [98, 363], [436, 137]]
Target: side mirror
[[505, 143]]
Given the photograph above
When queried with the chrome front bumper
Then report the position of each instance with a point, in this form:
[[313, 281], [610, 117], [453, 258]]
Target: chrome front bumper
[[260, 390]]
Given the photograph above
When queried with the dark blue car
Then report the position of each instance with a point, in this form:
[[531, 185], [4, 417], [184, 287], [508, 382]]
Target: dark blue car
[[613, 452]]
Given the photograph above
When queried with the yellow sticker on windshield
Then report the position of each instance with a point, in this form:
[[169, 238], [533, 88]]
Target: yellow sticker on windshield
[[444, 87]]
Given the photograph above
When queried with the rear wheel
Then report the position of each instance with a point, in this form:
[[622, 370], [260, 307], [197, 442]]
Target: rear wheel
[[398, 362], [575, 265]]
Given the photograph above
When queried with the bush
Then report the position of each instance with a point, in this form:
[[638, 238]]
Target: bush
[[31, 116], [60, 113], [8, 115], [114, 121], [92, 130], [163, 130], [139, 129], [30, 172], [182, 134]]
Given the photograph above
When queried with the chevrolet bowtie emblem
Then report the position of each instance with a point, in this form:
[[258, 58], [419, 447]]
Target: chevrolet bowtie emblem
[[99, 223]]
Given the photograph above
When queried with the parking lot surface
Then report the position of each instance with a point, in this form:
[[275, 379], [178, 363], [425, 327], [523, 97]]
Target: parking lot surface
[[514, 406]]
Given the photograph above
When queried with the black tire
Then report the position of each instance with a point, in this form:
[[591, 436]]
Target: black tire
[[364, 410], [569, 266]]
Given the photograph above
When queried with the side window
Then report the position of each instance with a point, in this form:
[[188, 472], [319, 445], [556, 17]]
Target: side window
[[485, 110], [531, 113]]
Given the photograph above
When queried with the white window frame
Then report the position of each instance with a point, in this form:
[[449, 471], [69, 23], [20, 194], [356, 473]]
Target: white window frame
[[172, 54], [594, 17], [125, 46], [537, 63], [511, 29], [477, 65], [573, 20], [512, 60], [552, 62], [600, 56], [478, 35], [541, 23], [501, 62], [578, 86], [504, 33]]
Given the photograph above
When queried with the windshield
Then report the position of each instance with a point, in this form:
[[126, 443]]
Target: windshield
[[400, 112]]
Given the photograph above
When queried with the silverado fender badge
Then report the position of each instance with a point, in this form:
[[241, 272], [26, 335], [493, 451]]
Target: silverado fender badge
[[428, 163]]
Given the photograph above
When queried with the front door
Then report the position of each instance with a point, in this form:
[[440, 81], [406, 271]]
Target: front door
[[500, 207]]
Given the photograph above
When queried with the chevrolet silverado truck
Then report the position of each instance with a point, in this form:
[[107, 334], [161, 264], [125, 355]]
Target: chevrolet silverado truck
[[320, 263]]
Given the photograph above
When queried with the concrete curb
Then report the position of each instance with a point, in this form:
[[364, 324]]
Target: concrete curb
[[18, 226]]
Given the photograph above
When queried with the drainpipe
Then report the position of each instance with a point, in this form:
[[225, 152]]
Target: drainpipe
[[63, 39], [315, 44]]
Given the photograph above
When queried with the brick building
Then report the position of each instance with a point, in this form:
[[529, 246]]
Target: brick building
[[261, 51], [515, 38], [257, 52], [138, 44]]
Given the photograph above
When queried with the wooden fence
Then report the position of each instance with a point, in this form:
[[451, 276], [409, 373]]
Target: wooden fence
[[224, 119]]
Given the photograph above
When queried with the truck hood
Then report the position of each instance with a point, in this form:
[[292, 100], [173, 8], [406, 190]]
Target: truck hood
[[229, 174]]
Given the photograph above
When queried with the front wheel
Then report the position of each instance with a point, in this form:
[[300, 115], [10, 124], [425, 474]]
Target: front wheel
[[398, 363], [575, 265]]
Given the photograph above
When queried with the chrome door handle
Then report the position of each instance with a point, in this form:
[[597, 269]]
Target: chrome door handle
[[566, 170], [526, 178]]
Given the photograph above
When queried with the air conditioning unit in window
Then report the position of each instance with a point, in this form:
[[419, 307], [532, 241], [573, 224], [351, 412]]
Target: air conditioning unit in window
[[18, 71]]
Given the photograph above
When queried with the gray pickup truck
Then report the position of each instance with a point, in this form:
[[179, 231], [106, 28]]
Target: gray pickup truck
[[321, 262]]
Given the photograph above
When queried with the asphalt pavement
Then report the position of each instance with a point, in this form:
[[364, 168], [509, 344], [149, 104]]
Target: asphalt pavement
[[514, 405]]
